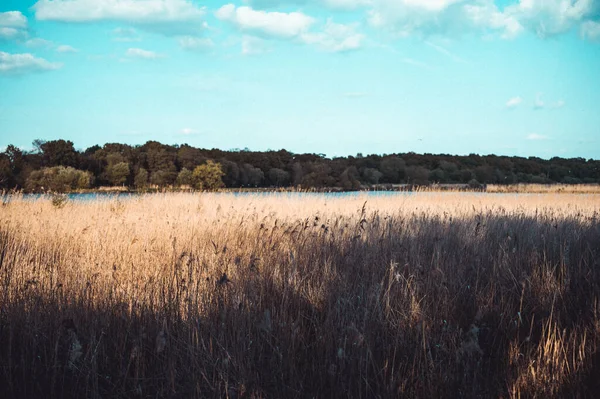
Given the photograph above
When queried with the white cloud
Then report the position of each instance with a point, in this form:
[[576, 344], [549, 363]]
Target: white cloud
[[274, 24], [514, 102], [558, 104], [125, 35], [65, 48], [13, 19], [335, 37], [485, 15], [143, 54], [164, 16], [542, 17], [252, 45], [551, 17], [535, 136], [332, 4], [13, 25], [37, 42], [193, 43], [24, 63], [590, 30], [188, 131]]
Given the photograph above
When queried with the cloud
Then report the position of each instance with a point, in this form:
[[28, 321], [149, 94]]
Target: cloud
[[193, 43], [590, 30], [125, 35], [37, 42], [143, 54], [535, 136], [13, 19], [13, 25], [551, 17], [514, 102], [558, 104], [252, 45], [335, 37], [65, 48], [332, 4], [545, 18], [187, 131], [163, 16], [18, 64], [270, 24]]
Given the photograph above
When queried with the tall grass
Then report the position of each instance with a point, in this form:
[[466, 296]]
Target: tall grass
[[218, 295]]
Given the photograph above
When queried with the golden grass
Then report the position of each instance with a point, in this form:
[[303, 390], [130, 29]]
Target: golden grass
[[301, 295], [544, 188]]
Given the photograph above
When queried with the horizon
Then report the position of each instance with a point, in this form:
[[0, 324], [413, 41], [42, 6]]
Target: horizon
[[32, 149], [338, 77]]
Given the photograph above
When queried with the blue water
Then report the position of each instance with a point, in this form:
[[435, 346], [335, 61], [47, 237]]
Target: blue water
[[85, 197]]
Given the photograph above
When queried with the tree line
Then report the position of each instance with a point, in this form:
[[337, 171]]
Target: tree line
[[57, 166]]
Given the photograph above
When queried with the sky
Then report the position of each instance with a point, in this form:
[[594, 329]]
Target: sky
[[339, 77]]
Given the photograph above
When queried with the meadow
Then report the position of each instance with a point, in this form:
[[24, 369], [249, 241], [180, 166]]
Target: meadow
[[301, 296]]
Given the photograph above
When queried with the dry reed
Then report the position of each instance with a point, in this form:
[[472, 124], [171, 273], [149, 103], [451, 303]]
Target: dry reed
[[301, 295]]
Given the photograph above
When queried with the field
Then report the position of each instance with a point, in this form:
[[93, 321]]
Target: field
[[308, 296]]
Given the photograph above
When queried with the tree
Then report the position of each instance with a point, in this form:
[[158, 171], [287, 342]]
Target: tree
[[58, 153], [279, 177], [141, 178], [251, 176], [6, 175], [185, 178], [349, 179], [232, 173], [59, 179], [393, 169], [118, 173], [208, 176], [417, 175], [372, 175]]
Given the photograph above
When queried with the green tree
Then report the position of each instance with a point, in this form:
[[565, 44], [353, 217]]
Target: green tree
[[58, 152], [185, 178], [208, 176], [58, 179], [117, 173], [141, 179]]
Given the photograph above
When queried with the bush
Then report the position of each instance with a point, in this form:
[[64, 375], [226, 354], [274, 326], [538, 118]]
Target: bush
[[58, 179], [208, 176]]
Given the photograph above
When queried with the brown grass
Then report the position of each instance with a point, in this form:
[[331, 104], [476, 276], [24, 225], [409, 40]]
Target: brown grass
[[217, 295], [544, 188]]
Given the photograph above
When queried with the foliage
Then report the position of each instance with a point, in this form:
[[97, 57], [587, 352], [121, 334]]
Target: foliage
[[164, 164], [208, 176], [117, 173], [185, 178], [58, 179], [141, 178]]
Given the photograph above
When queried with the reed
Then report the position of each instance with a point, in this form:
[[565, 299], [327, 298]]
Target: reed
[[301, 295]]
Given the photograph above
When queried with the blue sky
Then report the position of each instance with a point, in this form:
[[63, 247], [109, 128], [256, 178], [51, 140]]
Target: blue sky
[[328, 76]]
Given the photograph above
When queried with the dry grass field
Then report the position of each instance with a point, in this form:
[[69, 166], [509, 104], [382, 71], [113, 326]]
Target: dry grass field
[[301, 296]]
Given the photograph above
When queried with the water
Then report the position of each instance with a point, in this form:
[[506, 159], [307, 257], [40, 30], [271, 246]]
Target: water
[[86, 197]]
